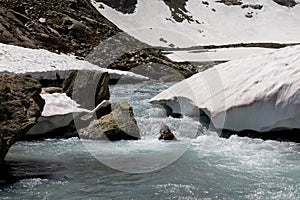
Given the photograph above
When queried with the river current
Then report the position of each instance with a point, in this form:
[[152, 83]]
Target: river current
[[198, 165]]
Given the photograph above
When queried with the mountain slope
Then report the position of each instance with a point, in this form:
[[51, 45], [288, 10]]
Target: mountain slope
[[191, 22]]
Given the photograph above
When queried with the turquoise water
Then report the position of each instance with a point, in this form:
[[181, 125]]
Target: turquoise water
[[199, 165]]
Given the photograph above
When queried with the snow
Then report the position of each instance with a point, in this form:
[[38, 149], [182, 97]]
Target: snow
[[43, 64], [59, 111], [227, 25], [260, 92], [221, 54], [59, 104]]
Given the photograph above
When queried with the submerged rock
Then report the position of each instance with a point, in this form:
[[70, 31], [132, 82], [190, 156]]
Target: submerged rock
[[120, 124], [165, 133], [20, 107], [259, 93]]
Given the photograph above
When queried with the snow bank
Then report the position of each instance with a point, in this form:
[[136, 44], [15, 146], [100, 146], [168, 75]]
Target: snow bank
[[260, 92], [43, 64]]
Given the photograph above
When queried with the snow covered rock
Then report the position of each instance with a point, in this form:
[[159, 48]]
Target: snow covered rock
[[59, 111], [259, 93]]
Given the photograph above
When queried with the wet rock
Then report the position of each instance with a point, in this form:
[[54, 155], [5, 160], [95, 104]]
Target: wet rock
[[165, 133], [120, 124], [20, 107], [52, 90]]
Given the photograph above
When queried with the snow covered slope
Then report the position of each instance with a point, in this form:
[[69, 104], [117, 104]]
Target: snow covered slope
[[43, 64], [180, 23], [260, 92]]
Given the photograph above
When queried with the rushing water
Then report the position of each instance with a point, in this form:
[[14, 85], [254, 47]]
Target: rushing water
[[199, 165]]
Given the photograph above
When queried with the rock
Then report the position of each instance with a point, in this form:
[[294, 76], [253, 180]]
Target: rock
[[165, 133], [287, 3], [51, 90], [87, 88], [230, 2], [125, 7], [120, 124], [60, 20], [259, 93], [20, 107]]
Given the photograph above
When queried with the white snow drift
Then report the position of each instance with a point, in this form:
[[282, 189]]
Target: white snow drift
[[43, 64], [260, 92]]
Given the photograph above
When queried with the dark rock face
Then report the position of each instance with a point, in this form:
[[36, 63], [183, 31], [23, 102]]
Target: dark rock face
[[20, 107], [292, 135], [178, 10], [118, 125], [124, 6], [287, 3], [231, 2], [165, 133], [87, 88]]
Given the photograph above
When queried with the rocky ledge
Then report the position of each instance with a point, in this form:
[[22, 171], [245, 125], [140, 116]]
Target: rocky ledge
[[20, 108]]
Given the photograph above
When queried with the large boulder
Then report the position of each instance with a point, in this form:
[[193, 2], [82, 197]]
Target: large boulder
[[259, 93], [88, 88], [20, 107], [120, 124]]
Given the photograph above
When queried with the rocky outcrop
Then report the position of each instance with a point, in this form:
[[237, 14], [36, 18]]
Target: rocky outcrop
[[166, 133], [124, 6], [118, 125], [287, 3], [20, 107], [123, 52], [69, 26]]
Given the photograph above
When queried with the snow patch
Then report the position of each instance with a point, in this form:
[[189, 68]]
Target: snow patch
[[43, 64]]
